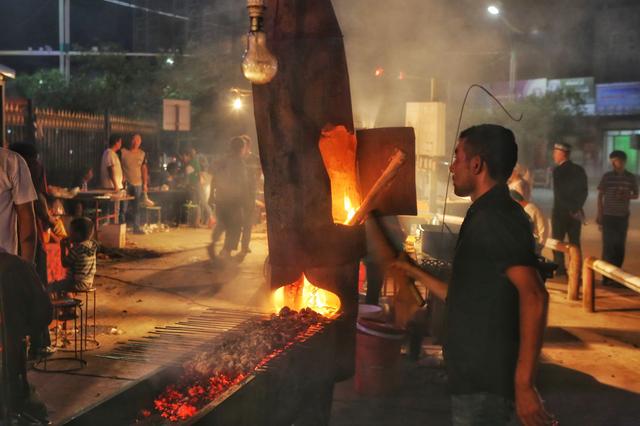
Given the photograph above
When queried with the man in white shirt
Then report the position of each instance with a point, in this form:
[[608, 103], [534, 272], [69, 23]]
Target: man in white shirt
[[17, 217], [134, 166], [111, 176], [540, 228]]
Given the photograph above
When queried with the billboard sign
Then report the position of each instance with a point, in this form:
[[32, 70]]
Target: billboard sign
[[618, 98], [585, 86]]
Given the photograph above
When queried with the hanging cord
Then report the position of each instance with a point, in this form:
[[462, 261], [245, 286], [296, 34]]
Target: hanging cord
[[453, 150]]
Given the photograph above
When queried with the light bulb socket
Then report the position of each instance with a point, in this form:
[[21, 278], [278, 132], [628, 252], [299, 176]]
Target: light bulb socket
[[256, 24], [256, 9]]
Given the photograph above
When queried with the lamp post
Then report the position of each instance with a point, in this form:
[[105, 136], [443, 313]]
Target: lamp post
[[495, 11]]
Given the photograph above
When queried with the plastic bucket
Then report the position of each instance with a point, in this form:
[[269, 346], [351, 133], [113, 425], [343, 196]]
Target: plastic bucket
[[369, 311], [377, 358]]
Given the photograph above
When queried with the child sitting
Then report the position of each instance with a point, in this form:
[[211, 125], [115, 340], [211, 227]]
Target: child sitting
[[78, 254]]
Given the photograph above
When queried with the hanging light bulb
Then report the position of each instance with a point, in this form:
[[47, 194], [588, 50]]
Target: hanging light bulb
[[259, 65]]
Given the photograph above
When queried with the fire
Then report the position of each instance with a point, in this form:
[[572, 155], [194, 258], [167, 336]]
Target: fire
[[349, 208], [338, 150], [302, 294]]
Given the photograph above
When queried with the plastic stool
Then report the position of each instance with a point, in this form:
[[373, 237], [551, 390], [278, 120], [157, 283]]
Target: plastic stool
[[87, 340], [191, 214], [157, 210], [76, 362]]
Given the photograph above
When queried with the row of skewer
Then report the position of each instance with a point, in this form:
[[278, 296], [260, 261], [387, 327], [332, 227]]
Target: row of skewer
[[167, 345]]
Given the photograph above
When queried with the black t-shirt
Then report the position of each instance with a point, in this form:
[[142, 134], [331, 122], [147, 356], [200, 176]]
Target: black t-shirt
[[570, 189], [483, 336]]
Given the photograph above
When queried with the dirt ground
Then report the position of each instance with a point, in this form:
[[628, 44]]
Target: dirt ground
[[591, 364]]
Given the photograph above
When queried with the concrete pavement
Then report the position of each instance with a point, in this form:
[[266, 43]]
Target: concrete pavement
[[590, 375]]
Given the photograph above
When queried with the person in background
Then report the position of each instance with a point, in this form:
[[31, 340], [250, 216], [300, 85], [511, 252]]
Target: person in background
[[617, 187], [44, 220], [252, 163], [111, 176], [496, 300], [26, 309], [79, 256], [204, 188], [82, 181], [17, 215], [136, 175], [570, 191], [40, 341], [538, 221], [517, 183], [229, 187], [191, 170], [170, 178]]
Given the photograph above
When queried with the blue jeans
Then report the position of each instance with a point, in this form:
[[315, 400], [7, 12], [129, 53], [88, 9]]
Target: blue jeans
[[481, 409], [136, 204]]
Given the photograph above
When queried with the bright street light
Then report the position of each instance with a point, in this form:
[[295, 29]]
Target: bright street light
[[493, 10], [237, 104]]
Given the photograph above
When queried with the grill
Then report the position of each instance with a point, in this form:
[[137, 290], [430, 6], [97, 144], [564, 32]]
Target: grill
[[292, 385], [172, 344]]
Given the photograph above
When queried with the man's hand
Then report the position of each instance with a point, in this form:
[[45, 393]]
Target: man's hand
[[530, 409], [403, 264]]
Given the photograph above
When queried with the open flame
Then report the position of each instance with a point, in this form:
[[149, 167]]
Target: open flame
[[302, 294], [338, 150], [349, 208]]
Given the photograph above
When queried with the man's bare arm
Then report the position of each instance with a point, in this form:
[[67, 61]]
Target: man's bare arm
[[438, 287], [533, 303], [27, 230], [145, 177], [600, 206], [112, 177]]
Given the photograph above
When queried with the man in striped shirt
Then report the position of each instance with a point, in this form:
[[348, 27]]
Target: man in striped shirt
[[615, 191]]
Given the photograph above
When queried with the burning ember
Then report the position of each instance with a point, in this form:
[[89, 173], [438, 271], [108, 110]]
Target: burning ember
[[208, 375], [304, 295]]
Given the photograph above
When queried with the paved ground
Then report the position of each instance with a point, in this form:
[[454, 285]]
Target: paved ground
[[591, 374], [134, 296]]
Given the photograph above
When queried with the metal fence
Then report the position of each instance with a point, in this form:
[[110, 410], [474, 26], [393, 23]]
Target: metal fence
[[68, 141]]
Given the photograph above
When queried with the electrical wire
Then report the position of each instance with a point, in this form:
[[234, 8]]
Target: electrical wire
[[453, 150]]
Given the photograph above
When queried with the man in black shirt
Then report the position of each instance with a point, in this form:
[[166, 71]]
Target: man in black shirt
[[570, 191], [496, 301]]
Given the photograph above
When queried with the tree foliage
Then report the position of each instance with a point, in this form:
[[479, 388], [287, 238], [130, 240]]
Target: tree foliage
[[545, 119], [131, 86]]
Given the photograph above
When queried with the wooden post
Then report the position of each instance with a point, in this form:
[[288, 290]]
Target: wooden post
[[575, 263], [588, 288], [396, 161]]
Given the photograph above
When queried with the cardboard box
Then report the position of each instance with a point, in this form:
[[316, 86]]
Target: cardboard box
[[112, 235]]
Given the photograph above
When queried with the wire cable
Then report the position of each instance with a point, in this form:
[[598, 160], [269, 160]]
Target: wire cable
[[453, 150]]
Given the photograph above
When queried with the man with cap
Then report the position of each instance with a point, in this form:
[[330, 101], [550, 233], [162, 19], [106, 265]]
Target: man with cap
[[570, 191]]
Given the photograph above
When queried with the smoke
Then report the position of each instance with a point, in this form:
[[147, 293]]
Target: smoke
[[456, 42]]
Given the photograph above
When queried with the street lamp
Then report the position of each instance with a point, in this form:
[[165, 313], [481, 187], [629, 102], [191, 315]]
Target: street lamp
[[237, 104], [493, 10]]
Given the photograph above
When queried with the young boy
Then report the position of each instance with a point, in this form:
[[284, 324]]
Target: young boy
[[79, 256]]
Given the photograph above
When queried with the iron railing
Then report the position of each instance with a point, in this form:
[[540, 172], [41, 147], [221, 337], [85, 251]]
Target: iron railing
[[69, 141]]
